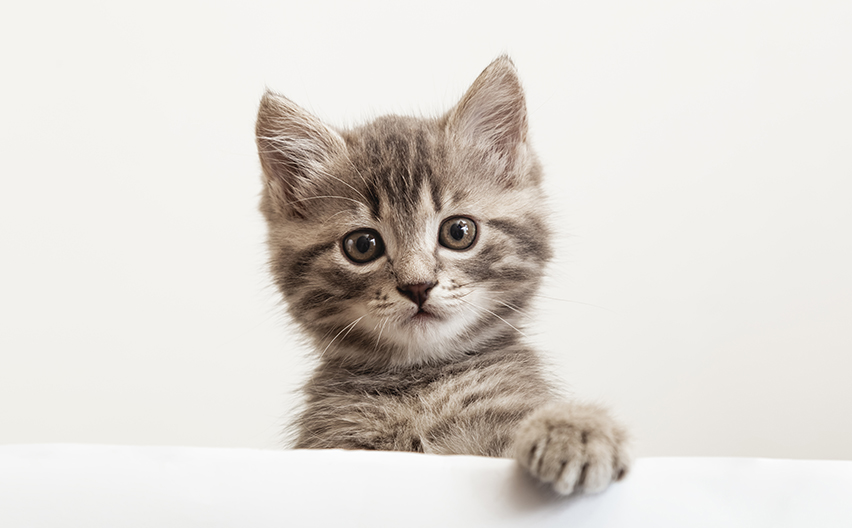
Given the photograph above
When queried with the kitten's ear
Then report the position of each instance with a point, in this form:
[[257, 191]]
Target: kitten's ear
[[296, 152], [493, 110]]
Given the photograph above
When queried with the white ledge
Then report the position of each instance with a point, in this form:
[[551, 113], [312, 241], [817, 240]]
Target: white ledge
[[61, 485]]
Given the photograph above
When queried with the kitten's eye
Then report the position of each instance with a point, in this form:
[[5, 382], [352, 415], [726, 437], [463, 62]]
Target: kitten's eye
[[457, 233], [363, 245]]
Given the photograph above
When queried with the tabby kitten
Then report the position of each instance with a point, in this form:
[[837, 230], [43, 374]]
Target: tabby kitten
[[407, 250]]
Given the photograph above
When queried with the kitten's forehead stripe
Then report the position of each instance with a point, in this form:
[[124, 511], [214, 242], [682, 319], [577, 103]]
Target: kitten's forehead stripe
[[396, 159], [435, 193], [372, 195]]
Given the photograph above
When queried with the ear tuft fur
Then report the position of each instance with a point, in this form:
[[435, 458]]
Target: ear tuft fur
[[295, 149]]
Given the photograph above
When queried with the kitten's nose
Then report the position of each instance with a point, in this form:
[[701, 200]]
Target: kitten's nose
[[417, 292]]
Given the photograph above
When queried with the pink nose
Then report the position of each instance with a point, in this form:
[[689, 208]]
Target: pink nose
[[417, 292]]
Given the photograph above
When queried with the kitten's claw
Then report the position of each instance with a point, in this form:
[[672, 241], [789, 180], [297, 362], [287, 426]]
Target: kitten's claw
[[575, 447]]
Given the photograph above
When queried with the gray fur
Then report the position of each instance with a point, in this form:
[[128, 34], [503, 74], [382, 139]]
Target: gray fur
[[454, 377]]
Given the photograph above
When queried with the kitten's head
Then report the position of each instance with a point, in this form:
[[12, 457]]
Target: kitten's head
[[406, 240]]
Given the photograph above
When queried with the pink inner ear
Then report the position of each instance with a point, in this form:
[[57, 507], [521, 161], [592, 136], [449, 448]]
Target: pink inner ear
[[493, 109]]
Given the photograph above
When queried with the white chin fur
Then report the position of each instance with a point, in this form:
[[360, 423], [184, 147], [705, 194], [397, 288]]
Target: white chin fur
[[434, 338]]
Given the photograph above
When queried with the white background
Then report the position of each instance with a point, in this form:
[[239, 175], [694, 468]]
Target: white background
[[698, 156]]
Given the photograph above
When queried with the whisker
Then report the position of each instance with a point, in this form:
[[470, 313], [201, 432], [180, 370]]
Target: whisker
[[460, 295], [558, 299], [328, 174], [350, 326], [382, 329], [495, 315], [335, 214], [515, 309], [358, 173]]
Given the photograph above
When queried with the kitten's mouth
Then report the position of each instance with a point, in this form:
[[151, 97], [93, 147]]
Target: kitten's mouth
[[423, 315]]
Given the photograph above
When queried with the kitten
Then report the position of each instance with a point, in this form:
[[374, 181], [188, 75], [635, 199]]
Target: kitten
[[407, 250]]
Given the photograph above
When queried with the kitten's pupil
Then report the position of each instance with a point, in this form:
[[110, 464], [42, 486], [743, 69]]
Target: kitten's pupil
[[363, 243], [458, 230]]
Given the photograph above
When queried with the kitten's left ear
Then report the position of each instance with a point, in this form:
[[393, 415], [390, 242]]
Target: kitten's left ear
[[493, 111]]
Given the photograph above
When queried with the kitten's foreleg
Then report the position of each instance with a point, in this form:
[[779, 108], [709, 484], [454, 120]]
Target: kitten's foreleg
[[576, 447]]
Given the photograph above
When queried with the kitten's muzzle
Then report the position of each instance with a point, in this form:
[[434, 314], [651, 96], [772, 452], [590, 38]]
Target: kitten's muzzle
[[418, 293]]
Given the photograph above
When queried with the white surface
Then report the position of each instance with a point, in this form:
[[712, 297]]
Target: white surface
[[47, 486], [697, 154]]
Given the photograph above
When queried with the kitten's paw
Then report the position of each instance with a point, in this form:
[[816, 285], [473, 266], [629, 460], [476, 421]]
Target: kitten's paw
[[573, 446]]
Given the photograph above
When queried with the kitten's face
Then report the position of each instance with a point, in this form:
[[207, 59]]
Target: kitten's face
[[406, 240]]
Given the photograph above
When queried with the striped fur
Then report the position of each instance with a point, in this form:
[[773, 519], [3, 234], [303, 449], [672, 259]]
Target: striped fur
[[452, 375]]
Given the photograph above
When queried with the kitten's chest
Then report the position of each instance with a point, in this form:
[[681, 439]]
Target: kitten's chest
[[454, 410], [413, 415], [411, 398]]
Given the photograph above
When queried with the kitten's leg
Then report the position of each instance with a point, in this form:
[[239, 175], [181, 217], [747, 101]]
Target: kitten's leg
[[573, 446]]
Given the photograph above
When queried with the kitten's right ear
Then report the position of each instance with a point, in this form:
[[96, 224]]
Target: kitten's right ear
[[296, 151]]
